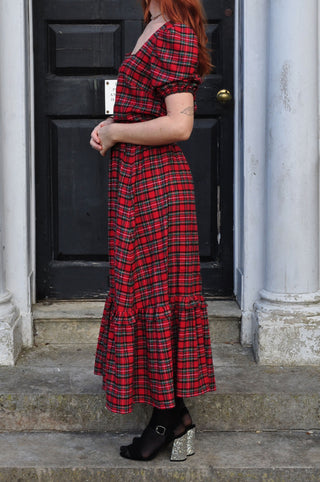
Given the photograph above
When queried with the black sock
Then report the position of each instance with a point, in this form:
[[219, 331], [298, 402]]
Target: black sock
[[183, 411]]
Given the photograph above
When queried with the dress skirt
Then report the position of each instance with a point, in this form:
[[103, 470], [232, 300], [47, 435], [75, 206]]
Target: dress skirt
[[154, 341]]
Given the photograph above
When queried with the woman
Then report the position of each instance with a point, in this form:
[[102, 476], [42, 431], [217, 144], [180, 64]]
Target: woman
[[154, 343]]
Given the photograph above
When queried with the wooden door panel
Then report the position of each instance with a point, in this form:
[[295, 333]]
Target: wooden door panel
[[70, 96], [113, 9], [78, 45], [91, 9], [203, 167], [80, 192], [84, 49]]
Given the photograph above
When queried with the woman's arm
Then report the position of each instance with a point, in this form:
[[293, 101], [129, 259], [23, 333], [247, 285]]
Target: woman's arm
[[176, 126]]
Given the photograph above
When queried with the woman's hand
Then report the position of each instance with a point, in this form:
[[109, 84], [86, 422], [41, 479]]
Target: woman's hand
[[105, 135], [96, 141]]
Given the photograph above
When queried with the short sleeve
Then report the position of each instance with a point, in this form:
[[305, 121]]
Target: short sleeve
[[175, 61]]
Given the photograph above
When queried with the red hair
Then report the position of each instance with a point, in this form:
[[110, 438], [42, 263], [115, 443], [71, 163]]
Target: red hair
[[191, 13]]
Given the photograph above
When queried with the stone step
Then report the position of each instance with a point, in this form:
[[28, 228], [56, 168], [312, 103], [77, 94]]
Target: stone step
[[79, 321], [53, 388], [220, 456]]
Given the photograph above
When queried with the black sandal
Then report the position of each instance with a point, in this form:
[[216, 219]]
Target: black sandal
[[156, 437]]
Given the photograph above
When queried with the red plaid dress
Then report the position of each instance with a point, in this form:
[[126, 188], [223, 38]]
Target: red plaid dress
[[154, 340]]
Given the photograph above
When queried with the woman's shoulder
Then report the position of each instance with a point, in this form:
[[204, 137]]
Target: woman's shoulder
[[177, 33]]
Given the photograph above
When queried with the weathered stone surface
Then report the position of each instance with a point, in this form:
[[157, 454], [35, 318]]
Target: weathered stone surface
[[10, 330], [286, 338], [65, 310], [86, 331], [227, 457], [68, 412], [79, 322], [223, 330], [66, 331], [49, 310], [54, 388], [223, 308], [82, 355]]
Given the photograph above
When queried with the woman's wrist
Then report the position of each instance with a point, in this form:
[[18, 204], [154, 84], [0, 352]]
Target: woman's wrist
[[114, 132]]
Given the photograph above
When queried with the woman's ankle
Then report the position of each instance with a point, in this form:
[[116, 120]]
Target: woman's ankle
[[184, 412], [169, 418], [179, 403]]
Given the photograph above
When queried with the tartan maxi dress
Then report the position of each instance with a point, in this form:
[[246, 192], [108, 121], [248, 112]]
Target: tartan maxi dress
[[154, 341]]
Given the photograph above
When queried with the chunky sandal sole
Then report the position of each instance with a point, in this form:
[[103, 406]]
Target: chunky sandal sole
[[179, 448], [191, 435]]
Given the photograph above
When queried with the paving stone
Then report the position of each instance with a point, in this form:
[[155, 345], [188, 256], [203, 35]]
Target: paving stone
[[50, 310], [59, 355], [79, 322], [53, 388], [220, 456]]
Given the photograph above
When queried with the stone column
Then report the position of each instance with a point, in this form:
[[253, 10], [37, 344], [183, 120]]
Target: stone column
[[16, 179], [286, 318], [10, 330]]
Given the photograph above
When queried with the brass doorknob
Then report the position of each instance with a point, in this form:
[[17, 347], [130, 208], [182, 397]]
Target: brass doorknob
[[224, 96]]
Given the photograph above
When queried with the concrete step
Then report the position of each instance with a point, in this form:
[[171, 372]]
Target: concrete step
[[220, 456], [79, 321], [53, 388]]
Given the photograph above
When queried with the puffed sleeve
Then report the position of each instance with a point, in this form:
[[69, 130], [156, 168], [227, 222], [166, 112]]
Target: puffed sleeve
[[175, 61]]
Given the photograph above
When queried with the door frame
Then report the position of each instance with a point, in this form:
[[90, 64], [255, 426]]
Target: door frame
[[252, 35]]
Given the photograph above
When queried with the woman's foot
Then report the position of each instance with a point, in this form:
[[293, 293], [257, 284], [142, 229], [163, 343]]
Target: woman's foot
[[163, 427]]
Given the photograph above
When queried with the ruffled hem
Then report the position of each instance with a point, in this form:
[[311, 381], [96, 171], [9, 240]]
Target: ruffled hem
[[149, 354]]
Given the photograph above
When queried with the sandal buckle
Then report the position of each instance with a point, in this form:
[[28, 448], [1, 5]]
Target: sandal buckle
[[160, 430]]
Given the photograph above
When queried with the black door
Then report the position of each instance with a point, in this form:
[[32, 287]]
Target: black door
[[78, 45]]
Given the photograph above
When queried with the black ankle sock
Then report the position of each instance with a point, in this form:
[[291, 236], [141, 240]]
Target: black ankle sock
[[186, 417], [179, 403], [166, 417]]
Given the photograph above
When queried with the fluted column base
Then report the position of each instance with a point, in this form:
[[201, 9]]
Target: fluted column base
[[10, 331], [286, 329]]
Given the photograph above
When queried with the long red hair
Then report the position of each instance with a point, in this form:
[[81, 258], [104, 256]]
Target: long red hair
[[191, 13]]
